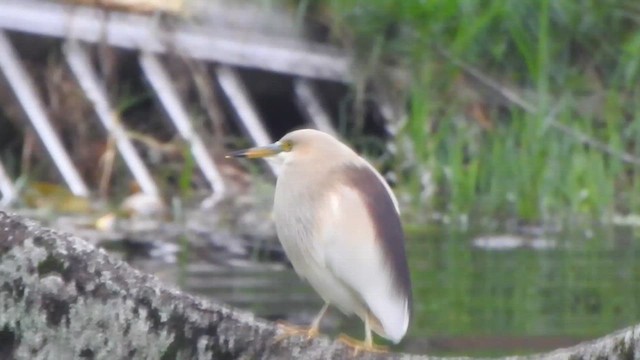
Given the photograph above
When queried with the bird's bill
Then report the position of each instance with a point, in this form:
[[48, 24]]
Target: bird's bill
[[257, 152]]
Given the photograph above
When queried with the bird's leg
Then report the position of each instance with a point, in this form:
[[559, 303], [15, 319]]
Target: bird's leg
[[366, 345], [308, 332], [315, 325]]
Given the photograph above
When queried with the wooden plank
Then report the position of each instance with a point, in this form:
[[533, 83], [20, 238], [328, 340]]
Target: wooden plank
[[139, 32]]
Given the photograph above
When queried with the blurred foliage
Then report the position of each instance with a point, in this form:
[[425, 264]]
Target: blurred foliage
[[575, 63]]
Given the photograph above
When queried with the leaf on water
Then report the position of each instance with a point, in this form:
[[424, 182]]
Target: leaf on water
[[44, 195]]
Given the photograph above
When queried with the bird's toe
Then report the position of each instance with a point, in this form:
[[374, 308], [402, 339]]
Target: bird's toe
[[358, 345], [289, 330]]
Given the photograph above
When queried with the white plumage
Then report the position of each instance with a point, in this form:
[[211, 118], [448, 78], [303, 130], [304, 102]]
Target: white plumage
[[338, 222]]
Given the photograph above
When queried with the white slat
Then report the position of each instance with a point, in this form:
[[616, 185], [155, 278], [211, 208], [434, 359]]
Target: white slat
[[80, 65], [7, 189], [310, 104], [28, 97], [241, 102], [166, 92]]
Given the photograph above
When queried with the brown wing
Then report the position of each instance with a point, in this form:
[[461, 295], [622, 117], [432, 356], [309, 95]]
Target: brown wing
[[381, 207], [364, 247]]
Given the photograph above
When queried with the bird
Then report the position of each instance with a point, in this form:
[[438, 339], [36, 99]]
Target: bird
[[339, 224]]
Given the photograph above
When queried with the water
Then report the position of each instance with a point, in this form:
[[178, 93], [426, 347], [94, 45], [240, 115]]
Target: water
[[475, 292], [519, 299]]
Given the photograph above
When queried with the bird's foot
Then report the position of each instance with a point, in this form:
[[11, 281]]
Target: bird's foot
[[289, 330], [358, 345]]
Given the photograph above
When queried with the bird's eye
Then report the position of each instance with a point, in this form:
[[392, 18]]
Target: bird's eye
[[287, 145]]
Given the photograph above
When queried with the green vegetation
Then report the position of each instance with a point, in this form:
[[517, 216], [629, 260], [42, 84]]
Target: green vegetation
[[525, 109]]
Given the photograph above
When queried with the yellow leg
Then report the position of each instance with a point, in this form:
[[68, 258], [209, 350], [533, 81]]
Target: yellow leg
[[366, 345], [308, 332]]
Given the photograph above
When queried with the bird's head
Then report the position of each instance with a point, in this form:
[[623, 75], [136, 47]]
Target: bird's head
[[305, 143]]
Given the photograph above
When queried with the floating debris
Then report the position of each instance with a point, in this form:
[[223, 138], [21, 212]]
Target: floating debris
[[508, 242], [626, 220]]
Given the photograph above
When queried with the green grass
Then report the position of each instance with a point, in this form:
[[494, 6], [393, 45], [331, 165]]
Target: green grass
[[578, 61], [187, 173]]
